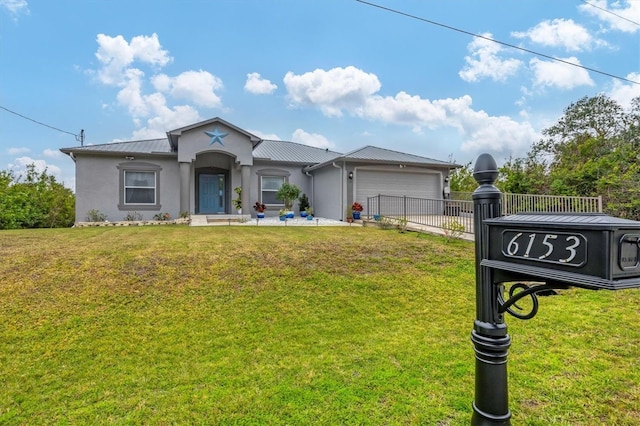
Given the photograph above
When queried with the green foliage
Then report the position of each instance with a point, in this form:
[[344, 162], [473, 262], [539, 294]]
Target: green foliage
[[35, 200], [133, 216], [592, 150], [453, 229], [162, 216], [237, 202], [461, 180], [94, 215], [288, 193], [303, 202]]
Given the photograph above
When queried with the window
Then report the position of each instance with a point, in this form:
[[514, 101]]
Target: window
[[269, 187], [139, 186]]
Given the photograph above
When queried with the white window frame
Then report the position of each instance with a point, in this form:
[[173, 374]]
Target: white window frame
[[138, 167]]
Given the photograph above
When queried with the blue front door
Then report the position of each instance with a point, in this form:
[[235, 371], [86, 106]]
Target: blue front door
[[211, 193]]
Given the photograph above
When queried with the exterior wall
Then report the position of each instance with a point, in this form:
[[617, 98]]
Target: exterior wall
[[196, 141], [328, 193], [295, 176], [98, 186]]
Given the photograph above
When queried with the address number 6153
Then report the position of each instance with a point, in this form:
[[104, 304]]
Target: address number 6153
[[556, 247]]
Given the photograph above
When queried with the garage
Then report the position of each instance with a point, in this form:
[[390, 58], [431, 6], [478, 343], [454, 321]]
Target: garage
[[412, 184]]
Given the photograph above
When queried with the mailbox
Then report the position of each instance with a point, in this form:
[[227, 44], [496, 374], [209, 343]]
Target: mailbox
[[589, 250]]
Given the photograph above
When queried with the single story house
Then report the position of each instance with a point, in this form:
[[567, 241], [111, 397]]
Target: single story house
[[196, 168]]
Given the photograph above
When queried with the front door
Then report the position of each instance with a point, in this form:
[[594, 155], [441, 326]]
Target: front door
[[211, 193]]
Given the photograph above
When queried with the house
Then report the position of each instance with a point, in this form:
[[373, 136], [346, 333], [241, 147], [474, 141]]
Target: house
[[196, 168]]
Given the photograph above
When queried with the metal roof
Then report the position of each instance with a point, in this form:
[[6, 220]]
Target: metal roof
[[150, 146], [291, 152], [373, 153]]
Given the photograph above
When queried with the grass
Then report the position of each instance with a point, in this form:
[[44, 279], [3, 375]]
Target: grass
[[296, 326]]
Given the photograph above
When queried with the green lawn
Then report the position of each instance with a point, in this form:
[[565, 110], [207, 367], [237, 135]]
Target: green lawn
[[296, 326]]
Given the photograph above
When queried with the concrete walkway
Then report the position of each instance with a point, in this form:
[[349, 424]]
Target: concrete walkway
[[246, 220]]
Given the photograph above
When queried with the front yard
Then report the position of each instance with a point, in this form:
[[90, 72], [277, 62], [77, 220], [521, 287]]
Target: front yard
[[296, 325]]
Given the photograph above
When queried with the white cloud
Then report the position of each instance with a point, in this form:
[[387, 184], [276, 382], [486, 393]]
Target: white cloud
[[623, 17], [52, 153], [623, 92], [484, 62], [262, 135], [19, 167], [333, 90], [197, 86], [15, 7], [153, 113], [259, 86], [563, 33], [116, 55], [311, 139], [559, 75], [502, 135], [18, 150], [479, 130]]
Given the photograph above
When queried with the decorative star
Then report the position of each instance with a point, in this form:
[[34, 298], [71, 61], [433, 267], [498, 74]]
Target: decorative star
[[216, 136]]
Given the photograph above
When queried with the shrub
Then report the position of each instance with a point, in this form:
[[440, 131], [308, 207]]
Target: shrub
[[453, 229], [94, 215], [133, 216], [161, 216]]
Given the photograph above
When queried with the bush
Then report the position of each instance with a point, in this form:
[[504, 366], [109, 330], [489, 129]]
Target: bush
[[453, 229], [94, 215], [133, 216], [34, 200]]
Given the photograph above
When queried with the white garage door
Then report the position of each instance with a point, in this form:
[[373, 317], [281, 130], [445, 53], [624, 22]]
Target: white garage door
[[370, 183]]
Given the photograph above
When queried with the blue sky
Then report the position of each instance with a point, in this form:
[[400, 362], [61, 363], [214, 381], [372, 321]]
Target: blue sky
[[339, 74]]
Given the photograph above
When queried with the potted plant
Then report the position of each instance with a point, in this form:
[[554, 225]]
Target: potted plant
[[309, 213], [287, 193], [282, 214], [259, 208], [237, 202], [349, 214], [356, 209], [303, 204]]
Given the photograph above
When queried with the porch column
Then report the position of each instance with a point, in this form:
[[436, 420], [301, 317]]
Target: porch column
[[246, 189], [185, 176]]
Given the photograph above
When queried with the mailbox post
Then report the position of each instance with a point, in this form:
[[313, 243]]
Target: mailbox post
[[489, 336], [537, 252]]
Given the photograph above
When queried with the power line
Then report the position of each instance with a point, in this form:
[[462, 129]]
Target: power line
[[79, 137], [609, 11], [408, 15]]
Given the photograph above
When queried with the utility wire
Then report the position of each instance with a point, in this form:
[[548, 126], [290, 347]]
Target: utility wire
[[609, 11], [408, 15], [78, 137]]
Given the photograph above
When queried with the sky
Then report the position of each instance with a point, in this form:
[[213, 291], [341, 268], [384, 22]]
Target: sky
[[443, 79]]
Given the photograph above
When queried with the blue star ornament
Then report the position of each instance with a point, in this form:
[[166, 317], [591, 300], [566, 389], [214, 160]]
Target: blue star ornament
[[216, 136]]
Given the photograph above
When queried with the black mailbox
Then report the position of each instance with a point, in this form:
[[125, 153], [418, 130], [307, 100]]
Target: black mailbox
[[589, 250]]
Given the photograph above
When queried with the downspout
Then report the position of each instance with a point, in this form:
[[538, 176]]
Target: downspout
[[342, 185]]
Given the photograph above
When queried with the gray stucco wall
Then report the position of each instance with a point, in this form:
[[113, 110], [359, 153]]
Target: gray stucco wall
[[196, 141], [328, 189], [295, 176], [98, 186]]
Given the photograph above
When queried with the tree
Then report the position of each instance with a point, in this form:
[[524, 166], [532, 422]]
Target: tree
[[462, 180], [35, 200], [593, 149]]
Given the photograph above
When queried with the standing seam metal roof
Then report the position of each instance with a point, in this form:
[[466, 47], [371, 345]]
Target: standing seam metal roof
[[292, 152]]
